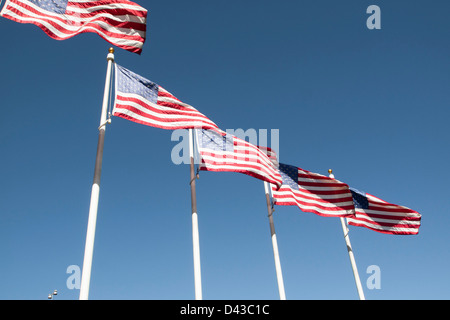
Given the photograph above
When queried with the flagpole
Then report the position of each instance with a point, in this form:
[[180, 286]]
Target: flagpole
[[274, 244], [345, 230], [195, 235], [92, 221]]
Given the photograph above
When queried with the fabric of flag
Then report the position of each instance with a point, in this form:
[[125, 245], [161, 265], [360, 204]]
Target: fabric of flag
[[379, 215], [220, 151], [271, 154], [313, 192], [143, 101], [120, 22]]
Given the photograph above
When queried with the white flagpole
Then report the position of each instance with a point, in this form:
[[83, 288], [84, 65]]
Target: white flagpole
[[195, 235], [345, 230], [90, 236], [274, 244]]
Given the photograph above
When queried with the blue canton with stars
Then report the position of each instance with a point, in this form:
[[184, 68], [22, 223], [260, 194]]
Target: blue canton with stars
[[56, 6], [359, 199], [214, 141], [289, 175], [130, 82]]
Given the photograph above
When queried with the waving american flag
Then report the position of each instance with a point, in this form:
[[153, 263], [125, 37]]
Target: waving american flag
[[220, 151], [120, 22], [143, 101], [313, 192], [379, 215]]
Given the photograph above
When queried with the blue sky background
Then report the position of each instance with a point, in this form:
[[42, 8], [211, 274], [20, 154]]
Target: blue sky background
[[373, 105]]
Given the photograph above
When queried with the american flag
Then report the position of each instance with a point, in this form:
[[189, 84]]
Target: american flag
[[143, 101], [120, 22], [312, 192], [379, 215], [220, 151]]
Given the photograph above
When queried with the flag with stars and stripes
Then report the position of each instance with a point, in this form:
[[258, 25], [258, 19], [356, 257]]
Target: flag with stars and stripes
[[120, 22], [143, 101], [313, 192], [379, 215], [220, 151]]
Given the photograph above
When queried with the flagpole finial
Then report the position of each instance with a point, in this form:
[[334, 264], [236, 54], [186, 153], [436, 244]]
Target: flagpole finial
[[331, 175], [110, 55]]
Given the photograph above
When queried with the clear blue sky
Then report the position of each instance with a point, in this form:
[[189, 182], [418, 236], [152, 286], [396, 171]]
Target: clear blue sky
[[373, 105]]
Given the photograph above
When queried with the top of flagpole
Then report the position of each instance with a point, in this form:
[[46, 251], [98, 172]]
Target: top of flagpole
[[331, 175], [110, 55]]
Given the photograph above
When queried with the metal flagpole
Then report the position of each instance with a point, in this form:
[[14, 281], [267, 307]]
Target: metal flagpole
[[195, 236], [89, 246], [274, 244], [345, 230]]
